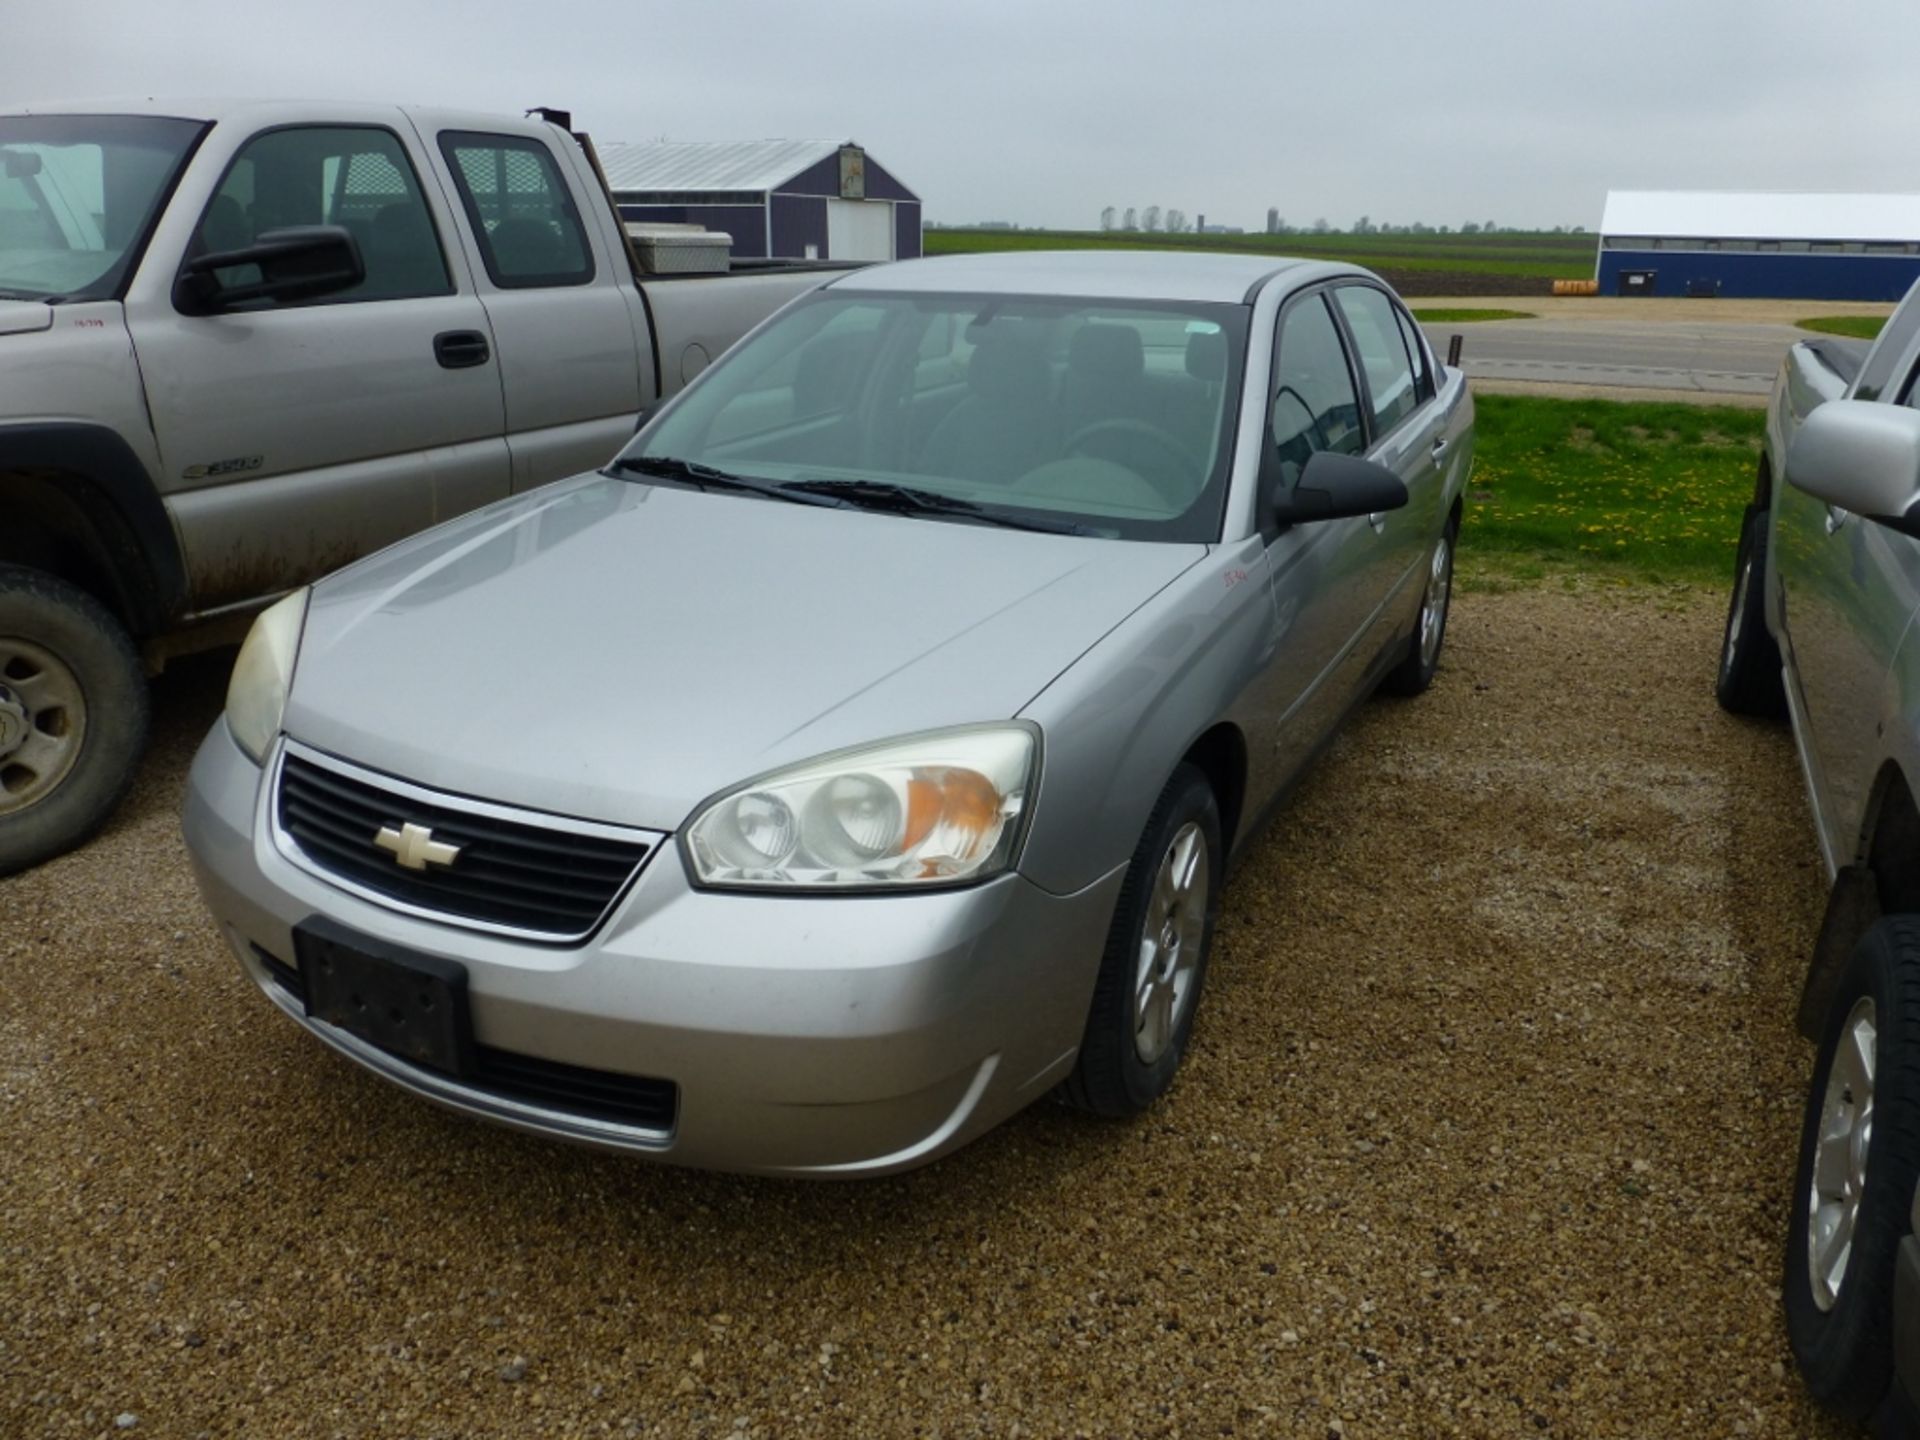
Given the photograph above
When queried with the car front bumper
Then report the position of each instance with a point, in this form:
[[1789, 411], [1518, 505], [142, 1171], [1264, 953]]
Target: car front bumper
[[817, 1035]]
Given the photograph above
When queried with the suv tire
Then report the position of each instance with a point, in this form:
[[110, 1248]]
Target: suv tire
[[1749, 682]]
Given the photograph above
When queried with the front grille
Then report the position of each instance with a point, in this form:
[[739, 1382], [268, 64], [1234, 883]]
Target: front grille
[[543, 879], [636, 1100]]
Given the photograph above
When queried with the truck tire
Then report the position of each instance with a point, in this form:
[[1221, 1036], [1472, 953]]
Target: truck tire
[[73, 716], [1156, 957], [1749, 682], [1853, 1188]]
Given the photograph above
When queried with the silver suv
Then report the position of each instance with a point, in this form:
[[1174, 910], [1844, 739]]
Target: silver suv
[[1821, 628]]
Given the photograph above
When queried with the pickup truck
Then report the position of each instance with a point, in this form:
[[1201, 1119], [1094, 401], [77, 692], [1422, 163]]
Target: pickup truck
[[243, 344], [1821, 629]]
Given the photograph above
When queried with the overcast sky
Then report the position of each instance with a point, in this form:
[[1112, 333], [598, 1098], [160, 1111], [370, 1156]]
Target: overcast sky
[[1043, 112]]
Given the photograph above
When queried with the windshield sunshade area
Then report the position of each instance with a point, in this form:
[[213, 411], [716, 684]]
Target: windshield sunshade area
[[1112, 418], [77, 197]]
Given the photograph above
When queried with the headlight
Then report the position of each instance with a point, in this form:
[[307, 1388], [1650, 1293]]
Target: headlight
[[257, 694], [932, 809]]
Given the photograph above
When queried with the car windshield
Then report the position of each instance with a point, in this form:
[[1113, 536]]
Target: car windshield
[[77, 197], [1107, 417]]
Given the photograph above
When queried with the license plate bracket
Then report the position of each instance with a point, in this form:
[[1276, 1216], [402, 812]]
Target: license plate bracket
[[410, 1005]]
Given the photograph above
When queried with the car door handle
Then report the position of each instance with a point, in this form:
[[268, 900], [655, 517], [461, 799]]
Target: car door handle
[[1835, 519], [1439, 449], [1378, 520], [461, 349]]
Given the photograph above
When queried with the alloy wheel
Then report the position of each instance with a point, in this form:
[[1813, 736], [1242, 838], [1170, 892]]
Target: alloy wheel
[[1840, 1154], [1171, 938]]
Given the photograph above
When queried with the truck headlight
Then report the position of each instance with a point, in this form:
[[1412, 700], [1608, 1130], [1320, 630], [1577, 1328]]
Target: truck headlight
[[257, 693], [936, 809]]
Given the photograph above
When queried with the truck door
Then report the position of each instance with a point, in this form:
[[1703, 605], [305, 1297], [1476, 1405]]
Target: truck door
[[298, 435], [555, 292]]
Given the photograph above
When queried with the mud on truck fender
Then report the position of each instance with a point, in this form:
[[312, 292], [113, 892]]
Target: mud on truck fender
[[89, 564]]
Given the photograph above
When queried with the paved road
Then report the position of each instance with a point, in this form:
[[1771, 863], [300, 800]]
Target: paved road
[[1724, 358]]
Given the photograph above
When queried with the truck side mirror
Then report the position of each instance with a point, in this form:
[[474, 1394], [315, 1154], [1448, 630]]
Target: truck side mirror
[[1863, 457], [298, 263]]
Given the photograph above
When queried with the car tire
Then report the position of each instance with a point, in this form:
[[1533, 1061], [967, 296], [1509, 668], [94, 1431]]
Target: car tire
[[1416, 669], [1155, 962], [1863, 1116], [73, 716], [1749, 681]]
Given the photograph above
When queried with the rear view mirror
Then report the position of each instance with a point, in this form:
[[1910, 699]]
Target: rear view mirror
[[20, 164], [1332, 487], [1863, 457], [299, 263]]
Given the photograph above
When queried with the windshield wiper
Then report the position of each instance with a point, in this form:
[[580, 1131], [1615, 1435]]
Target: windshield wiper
[[894, 499], [707, 477]]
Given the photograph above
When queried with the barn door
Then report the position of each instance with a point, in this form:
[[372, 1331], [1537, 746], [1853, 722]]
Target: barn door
[[859, 230]]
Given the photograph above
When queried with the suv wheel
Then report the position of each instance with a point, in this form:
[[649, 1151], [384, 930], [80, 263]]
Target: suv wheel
[[73, 716], [1854, 1187]]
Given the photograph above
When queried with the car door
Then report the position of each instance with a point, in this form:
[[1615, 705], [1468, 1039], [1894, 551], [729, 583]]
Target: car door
[[569, 349], [1406, 429], [1850, 588], [1325, 576], [298, 435]]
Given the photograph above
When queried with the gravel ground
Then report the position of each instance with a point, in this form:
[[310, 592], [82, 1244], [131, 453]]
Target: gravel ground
[[1487, 1131]]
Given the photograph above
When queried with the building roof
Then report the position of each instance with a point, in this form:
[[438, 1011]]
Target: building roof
[[1749, 215], [1179, 275], [679, 165]]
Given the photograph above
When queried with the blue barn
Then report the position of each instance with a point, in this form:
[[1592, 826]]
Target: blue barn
[[778, 199], [1778, 246]]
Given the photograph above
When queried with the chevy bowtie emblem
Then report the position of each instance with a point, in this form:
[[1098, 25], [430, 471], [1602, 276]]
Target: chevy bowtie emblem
[[414, 846]]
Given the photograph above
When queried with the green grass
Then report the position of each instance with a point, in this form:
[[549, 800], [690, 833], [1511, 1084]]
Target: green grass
[[1608, 490], [1529, 254], [1441, 315], [1855, 327]]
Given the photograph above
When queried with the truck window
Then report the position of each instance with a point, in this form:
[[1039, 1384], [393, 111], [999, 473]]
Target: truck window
[[521, 210], [78, 194], [357, 177]]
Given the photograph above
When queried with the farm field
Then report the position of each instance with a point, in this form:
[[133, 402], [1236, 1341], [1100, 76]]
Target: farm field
[[1502, 263]]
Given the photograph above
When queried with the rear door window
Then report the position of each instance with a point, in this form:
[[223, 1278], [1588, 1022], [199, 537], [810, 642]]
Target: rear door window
[[1370, 318], [522, 212]]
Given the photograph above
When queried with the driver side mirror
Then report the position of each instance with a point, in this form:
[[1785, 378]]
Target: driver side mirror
[[1863, 457], [298, 263], [1331, 487]]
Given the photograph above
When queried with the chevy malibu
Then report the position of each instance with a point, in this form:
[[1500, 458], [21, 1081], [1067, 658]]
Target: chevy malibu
[[858, 757]]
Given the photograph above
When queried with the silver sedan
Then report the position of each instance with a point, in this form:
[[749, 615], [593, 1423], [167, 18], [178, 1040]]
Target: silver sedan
[[857, 758]]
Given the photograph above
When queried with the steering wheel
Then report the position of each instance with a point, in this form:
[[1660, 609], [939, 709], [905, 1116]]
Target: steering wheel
[[1176, 481]]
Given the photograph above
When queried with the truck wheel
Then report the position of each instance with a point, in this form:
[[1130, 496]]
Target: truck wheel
[[1156, 956], [73, 716], [1415, 671], [1859, 1159], [1750, 682]]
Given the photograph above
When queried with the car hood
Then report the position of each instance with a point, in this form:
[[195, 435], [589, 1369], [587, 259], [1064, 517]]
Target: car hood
[[621, 651]]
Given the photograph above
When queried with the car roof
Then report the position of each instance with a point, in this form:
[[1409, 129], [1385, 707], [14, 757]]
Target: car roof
[[1095, 274]]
